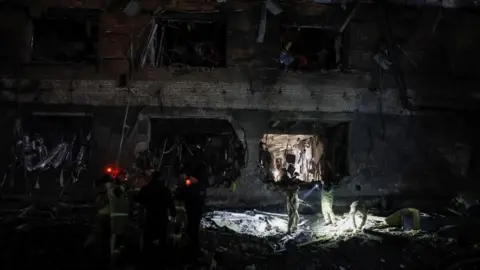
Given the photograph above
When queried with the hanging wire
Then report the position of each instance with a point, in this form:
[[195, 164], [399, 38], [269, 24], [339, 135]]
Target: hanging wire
[[127, 108], [123, 133], [163, 153]]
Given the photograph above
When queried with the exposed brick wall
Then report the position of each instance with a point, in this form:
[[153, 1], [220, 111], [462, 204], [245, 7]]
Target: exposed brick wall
[[231, 88], [119, 33]]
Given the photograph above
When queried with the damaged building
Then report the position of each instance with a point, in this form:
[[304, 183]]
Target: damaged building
[[377, 98]]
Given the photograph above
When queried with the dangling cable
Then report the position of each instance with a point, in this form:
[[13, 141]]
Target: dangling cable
[[123, 132], [131, 71]]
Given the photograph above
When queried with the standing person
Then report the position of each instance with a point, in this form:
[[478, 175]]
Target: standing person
[[119, 209], [327, 203], [193, 193], [100, 231], [358, 206], [291, 188], [158, 202]]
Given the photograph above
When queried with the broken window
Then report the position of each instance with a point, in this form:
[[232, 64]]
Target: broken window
[[309, 48], [181, 141], [293, 143], [316, 151], [303, 151], [182, 41], [50, 151], [66, 35]]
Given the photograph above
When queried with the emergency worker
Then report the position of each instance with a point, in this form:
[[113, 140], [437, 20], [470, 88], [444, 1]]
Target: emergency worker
[[290, 185], [327, 203], [193, 193], [158, 202], [102, 224], [358, 206], [119, 209]]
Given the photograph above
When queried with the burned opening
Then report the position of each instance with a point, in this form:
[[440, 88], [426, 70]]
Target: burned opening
[[317, 151], [191, 40], [51, 151], [300, 150], [178, 141], [309, 48], [66, 35]]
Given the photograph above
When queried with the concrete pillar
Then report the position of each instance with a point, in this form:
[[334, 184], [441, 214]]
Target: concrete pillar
[[250, 188]]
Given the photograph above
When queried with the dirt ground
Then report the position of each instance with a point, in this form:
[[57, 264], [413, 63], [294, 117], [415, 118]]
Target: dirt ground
[[55, 241]]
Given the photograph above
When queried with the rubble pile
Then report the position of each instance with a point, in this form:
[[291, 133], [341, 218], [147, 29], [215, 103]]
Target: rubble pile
[[274, 226], [247, 240], [258, 239], [249, 223]]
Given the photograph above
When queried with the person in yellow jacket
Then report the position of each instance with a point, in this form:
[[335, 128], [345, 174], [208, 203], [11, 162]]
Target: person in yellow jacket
[[102, 219], [396, 219], [327, 204], [119, 208]]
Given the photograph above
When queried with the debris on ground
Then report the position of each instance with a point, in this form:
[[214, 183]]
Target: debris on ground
[[261, 237], [233, 240]]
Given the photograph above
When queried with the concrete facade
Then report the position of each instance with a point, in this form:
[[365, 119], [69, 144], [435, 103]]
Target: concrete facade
[[392, 150], [389, 154]]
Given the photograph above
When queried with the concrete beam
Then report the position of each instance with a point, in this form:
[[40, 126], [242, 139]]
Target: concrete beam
[[232, 88], [217, 89]]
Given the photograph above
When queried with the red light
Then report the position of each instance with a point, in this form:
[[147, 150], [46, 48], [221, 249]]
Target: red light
[[113, 171], [188, 182]]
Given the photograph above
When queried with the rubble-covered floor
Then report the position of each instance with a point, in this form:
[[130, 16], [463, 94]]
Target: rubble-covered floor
[[250, 240], [253, 238]]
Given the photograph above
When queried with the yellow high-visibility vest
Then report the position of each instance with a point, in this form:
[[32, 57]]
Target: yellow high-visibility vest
[[119, 206], [395, 219]]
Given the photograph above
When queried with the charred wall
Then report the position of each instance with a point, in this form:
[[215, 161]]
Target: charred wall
[[431, 40], [411, 156], [400, 155], [105, 126]]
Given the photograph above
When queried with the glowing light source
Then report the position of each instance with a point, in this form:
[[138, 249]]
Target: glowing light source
[[309, 192], [188, 182], [276, 174], [113, 171]]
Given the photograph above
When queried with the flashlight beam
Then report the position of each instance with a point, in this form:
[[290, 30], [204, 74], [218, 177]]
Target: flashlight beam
[[268, 213]]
